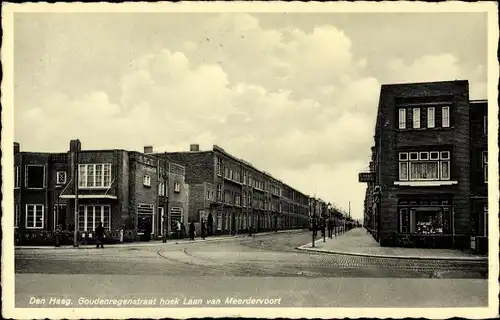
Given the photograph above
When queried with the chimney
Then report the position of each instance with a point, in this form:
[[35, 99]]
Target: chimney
[[148, 149], [75, 146], [17, 148], [194, 147]]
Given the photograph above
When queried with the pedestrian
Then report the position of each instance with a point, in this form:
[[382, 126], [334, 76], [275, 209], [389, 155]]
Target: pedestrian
[[203, 229], [99, 233], [178, 229], [330, 228], [191, 231]]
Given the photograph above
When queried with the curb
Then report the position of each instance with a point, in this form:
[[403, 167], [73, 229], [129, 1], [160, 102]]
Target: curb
[[456, 259], [158, 242]]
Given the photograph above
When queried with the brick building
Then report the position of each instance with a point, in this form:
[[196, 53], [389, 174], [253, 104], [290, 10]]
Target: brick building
[[231, 195], [426, 185], [127, 191]]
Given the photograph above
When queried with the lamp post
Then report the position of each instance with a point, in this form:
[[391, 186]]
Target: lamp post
[[57, 231]]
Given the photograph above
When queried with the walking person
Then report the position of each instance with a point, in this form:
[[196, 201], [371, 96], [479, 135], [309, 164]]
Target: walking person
[[99, 233], [330, 228], [203, 229], [191, 231]]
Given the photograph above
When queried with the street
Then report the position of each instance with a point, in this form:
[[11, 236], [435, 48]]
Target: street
[[262, 267]]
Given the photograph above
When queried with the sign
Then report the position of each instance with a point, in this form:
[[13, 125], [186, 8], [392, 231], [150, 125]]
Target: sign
[[366, 177]]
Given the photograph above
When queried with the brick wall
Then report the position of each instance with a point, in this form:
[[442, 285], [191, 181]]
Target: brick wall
[[199, 165], [390, 139]]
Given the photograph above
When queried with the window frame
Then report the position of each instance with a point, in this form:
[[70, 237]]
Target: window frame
[[17, 177], [446, 124], [417, 120], [103, 175], [177, 187], [35, 206], [86, 216], [17, 215], [484, 155], [146, 180], [431, 121], [219, 166], [406, 159], [26, 177], [59, 182], [402, 118]]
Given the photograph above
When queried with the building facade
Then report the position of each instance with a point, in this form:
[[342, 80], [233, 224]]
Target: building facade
[[128, 192], [423, 187], [231, 195]]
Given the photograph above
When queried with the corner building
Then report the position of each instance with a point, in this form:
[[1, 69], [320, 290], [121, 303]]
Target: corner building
[[231, 195], [427, 181]]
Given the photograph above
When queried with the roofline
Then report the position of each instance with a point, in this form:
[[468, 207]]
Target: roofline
[[424, 82]]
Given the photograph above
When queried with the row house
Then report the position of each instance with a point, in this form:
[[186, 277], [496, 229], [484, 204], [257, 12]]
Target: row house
[[231, 195], [129, 192], [427, 184]]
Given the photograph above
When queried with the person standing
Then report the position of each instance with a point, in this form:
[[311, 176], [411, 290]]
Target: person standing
[[99, 232], [203, 229], [330, 228], [191, 231]]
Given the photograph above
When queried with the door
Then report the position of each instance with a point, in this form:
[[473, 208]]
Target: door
[[145, 224]]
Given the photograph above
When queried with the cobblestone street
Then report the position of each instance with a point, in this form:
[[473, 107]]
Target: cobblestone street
[[246, 263]]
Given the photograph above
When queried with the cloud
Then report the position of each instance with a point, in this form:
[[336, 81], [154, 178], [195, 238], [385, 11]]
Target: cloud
[[438, 68]]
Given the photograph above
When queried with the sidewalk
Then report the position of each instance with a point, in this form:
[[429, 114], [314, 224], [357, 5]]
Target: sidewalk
[[153, 243], [359, 242]]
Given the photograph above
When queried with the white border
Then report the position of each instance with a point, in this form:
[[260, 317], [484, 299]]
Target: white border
[[313, 7]]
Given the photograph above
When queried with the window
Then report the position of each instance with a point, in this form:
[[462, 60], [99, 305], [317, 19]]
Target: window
[[94, 175], [34, 216], [485, 166], [219, 221], [219, 193], [17, 177], [177, 187], [161, 189], [431, 117], [146, 181], [425, 165], [244, 177], [402, 118], [446, 117], [237, 199], [244, 198], [416, 118], [61, 177], [35, 176], [17, 215], [89, 217], [226, 173], [219, 166], [421, 218]]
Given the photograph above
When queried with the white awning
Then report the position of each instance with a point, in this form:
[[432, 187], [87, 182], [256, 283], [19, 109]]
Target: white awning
[[88, 196]]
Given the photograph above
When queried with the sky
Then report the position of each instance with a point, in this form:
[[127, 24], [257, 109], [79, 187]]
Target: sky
[[296, 94]]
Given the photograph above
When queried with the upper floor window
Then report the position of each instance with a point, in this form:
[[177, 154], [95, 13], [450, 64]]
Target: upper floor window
[[219, 166], [445, 112], [17, 214], [402, 118], [433, 165], [219, 192], [431, 117], [244, 177], [161, 189], [61, 177], [35, 176], [146, 180], [94, 175], [485, 166], [231, 175], [416, 118], [177, 187], [226, 172], [17, 177]]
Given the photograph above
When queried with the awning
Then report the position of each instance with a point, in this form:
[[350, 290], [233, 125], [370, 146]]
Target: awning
[[88, 196]]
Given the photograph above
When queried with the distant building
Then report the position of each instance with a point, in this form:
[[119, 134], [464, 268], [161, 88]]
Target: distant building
[[127, 191], [427, 183], [231, 195]]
